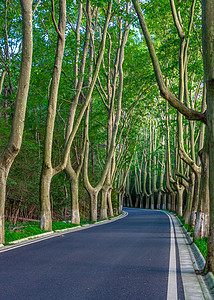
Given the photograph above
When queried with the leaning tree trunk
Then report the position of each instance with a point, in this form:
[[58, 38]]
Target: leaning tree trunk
[[79, 71], [162, 172], [151, 200], [45, 207], [15, 140], [103, 210], [111, 212], [47, 169], [3, 180], [195, 201], [93, 205], [190, 193], [208, 59], [164, 201], [159, 199], [52, 104], [173, 199], [74, 185], [147, 201], [179, 208], [121, 197], [201, 229]]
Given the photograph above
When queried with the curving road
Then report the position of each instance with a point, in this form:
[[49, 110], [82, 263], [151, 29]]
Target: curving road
[[125, 259]]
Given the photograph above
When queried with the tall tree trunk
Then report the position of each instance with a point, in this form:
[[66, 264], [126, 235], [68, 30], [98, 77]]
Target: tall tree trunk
[[3, 180], [164, 201], [72, 175], [162, 172], [208, 59], [179, 208], [195, 201], [15, 140], [151, 200], [171, 198], [53, 95], [45, 205], [111, 212], [190, 193], [113, 119], [103, 210], [75, 213], [201, 229], [47, 170], [93, 205], [4, 73], [121, 197], [147, 201]]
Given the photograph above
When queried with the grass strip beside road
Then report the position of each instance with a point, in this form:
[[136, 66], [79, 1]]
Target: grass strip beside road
[[201, 243]]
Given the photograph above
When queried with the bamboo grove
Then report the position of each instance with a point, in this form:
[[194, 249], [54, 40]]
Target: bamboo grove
[[116, 98]]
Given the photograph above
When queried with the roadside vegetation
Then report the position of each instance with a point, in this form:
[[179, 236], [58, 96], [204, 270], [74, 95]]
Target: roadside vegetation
[[201, 243]]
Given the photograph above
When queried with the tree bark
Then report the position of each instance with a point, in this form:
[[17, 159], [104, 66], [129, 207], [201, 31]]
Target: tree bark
[[179, 208], [164, 201], [111, 212], [164, 91], [113, 123], [93, 205], [103, 210], [208, 60], [75, 214], [201, 229], [190, 193], [15, 140], [195, 201], [47, 170]]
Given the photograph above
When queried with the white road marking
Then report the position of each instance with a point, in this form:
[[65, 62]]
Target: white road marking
[[172, 292]]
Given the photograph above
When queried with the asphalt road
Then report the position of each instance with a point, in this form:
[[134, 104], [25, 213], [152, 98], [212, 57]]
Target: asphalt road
[[125, 259]]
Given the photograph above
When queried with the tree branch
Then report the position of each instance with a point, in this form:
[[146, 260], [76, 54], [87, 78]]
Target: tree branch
[[164, 91], [54, 20]]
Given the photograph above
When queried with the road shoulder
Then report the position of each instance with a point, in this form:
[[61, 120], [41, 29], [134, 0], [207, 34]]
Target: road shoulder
[[195, 286]]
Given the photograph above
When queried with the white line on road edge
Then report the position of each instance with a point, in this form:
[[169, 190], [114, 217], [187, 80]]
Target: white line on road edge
[[172, 292]]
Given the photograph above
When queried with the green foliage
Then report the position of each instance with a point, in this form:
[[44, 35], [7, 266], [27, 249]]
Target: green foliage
[[21, 230], [202, 245], [62, 225]]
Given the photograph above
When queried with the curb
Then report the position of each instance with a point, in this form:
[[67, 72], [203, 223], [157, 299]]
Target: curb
[[56, 233], [199, 259]]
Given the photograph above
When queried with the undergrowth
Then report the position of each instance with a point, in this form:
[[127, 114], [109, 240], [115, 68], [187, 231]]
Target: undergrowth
[[21, 230], [201, 243]]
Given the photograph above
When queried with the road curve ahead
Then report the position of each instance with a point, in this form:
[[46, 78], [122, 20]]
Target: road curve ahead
[[125, 259]]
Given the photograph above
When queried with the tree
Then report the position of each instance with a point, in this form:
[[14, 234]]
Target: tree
[[46, 178], [47, 170], [208, 58], [14, 143]]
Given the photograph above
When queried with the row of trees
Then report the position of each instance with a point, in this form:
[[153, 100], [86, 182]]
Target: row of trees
[[75, 104], [184, 160], [93, 100]]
